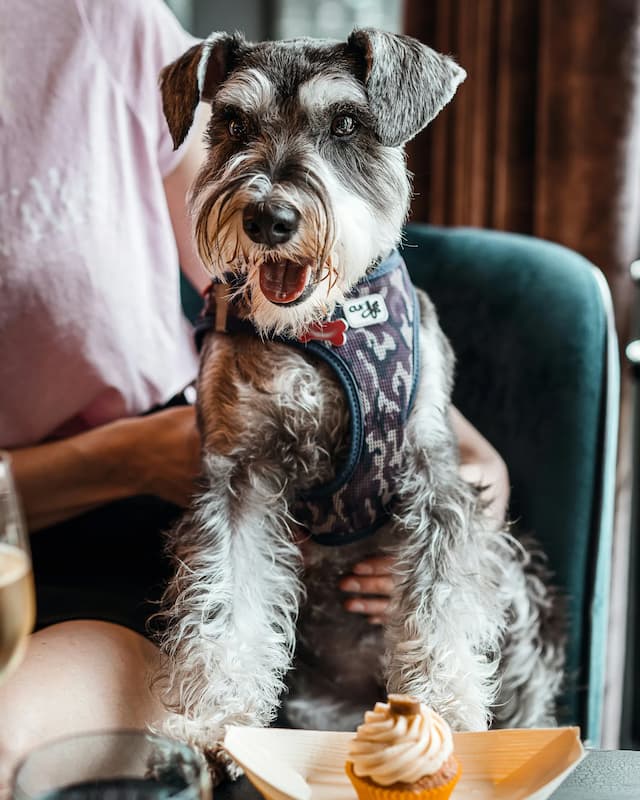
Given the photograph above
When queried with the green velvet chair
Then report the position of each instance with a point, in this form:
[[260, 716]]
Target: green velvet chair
[[537, 374]]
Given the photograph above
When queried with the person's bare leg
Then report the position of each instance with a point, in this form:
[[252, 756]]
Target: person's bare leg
[[75, 676]]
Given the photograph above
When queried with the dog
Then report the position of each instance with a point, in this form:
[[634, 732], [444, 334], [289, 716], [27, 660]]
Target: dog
[[298, 210]]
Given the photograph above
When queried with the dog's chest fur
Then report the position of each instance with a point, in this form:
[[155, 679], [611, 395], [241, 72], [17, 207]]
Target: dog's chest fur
[[262, 401], [280, 406]]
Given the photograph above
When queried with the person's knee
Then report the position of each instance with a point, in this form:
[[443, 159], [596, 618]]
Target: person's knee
[[76, 676], [14, 739]]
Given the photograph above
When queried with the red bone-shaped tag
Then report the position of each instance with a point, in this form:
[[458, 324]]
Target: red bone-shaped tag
[[334, 332]]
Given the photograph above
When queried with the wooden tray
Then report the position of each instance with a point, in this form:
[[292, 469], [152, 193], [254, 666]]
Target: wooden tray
[[498, 765]]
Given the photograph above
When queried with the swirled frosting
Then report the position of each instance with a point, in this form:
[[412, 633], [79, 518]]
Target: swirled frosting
[[400, 742]]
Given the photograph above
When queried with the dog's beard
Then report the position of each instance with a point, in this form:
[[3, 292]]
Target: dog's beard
[[335, 244]]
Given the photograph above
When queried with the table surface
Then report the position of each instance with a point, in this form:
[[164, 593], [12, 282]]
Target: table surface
[[601, 775]]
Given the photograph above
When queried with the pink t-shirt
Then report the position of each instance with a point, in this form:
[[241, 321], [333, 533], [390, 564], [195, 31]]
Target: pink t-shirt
[[91, 327]]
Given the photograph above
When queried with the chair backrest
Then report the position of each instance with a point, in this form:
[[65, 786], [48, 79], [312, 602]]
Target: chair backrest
[[538, 375]]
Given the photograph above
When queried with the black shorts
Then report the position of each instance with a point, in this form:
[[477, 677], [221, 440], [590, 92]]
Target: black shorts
[[108, 564]]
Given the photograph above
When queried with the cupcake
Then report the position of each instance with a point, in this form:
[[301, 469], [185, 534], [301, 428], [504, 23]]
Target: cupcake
[[402, 751]]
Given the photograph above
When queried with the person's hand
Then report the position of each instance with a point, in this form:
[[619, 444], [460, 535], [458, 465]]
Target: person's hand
[[156, 454], [481, 465], [493, 476], [164, 453], [371, 582]]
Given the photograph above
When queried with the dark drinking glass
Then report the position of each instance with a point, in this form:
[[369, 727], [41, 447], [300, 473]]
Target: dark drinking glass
[[114, 765]]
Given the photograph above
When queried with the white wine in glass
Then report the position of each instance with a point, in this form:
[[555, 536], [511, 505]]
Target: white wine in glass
[[17, 594]]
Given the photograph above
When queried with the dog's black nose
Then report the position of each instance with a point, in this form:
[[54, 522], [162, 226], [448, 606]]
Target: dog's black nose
[[270, 223]]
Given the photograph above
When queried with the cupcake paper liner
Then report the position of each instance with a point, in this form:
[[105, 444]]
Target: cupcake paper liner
[[367, 791]]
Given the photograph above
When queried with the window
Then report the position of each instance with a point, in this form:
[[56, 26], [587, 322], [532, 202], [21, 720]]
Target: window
[[286, 19]]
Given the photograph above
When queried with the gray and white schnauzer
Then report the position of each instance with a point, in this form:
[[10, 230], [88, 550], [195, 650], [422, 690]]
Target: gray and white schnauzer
[[323, 405]]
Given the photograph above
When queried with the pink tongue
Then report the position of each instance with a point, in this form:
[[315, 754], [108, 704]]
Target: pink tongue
[[283, 281]]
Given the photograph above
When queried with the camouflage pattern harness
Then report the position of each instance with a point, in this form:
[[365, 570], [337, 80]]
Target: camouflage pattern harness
[[371, 344]]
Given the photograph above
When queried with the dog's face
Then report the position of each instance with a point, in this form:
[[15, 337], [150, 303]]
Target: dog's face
[[305, 184]]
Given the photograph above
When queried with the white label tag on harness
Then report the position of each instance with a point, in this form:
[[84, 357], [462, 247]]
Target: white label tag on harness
[[367, 310]]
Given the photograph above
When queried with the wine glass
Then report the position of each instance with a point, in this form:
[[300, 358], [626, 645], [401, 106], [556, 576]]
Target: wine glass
[[17, 594]]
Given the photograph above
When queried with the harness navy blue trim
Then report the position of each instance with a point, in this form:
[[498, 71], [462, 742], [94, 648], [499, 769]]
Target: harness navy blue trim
[[339, 539], [387, 265], [356, 430], [416, 354], [350, 386]]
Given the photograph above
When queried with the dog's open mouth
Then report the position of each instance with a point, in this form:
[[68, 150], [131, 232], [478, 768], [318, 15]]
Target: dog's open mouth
[[284, 281]]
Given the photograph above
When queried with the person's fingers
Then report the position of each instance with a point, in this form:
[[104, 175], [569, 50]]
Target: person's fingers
[[377, 584], [371, 576], [374, 565], [370, 606]]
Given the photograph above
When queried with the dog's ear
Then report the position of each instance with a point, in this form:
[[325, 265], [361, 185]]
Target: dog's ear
[[193, 77], [407, 82]]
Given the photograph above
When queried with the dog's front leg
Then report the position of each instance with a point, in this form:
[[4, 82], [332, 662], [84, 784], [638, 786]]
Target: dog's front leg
[[448, 610], [448, 614], [231, 608]]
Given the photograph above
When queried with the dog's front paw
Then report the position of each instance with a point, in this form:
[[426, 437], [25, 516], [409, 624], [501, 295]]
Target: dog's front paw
[[221, 766], [468, 719]]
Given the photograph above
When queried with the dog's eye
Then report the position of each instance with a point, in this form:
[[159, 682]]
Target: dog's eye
[[343, 125], [237, 128]]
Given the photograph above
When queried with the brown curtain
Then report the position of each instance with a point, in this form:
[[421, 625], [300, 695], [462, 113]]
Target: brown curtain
[[544, 135], [544, 138]]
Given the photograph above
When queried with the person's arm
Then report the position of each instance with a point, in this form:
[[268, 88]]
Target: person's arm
[[372, 581], [158, 454]]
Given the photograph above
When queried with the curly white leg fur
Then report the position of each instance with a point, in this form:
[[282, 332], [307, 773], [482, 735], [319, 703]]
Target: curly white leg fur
[[449, 614], [232, 613]]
